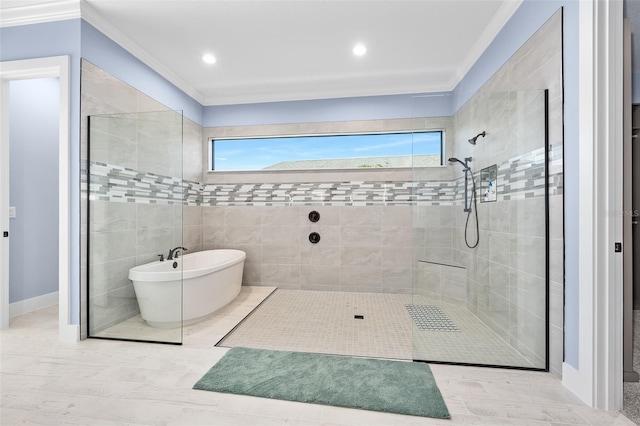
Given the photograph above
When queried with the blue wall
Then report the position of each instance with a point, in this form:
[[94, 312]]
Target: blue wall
[[524, 23], [37, 41], [33, 124], [571, 186], [106, 54], [340, 109], [34, 114]]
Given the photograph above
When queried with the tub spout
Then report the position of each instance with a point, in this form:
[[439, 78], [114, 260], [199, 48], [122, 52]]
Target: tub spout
[[173, 253]]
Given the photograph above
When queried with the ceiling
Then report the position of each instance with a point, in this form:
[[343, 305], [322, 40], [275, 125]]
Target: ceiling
[[271, 50]]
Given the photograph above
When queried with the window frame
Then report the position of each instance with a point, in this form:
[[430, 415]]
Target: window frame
[[212, 139]]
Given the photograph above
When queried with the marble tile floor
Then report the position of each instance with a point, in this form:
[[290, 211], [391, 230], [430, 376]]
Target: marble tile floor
[[323, 322], [103, 382]]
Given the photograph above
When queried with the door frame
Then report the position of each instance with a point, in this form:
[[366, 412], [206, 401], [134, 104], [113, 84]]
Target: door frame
[[628, 214], [50, 67], [596, 376]]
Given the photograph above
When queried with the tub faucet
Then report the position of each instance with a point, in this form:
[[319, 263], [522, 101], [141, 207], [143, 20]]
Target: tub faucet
[[173, 253]]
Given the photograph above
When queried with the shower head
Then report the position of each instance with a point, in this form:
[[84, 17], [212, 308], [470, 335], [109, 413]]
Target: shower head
[[453, 160], [472, 141]]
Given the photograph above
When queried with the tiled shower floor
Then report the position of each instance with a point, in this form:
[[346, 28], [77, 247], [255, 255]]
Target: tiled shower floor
[[323, 322], [475, 343]]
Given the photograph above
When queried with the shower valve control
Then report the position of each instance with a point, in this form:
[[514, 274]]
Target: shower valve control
[[314, 216]]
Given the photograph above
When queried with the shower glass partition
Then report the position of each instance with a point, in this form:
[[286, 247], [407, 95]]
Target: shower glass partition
[[135, 202], [480, 283]]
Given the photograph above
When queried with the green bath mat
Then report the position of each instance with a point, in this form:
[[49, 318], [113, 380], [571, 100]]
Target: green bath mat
[[341, 381]]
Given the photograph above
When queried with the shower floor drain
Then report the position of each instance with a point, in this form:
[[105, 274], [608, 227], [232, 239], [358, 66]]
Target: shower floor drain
[[431, 317]]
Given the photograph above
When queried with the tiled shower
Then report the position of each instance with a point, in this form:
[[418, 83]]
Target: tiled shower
[[375, 225]]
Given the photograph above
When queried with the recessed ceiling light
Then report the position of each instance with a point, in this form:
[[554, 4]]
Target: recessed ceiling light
[[359, 49], [209, 58]]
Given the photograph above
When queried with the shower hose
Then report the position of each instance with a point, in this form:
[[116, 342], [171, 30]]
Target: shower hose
[[472, 210]]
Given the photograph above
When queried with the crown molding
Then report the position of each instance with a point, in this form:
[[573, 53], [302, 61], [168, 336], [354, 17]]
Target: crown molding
[[502, 16], [93, 17], [39, 13]]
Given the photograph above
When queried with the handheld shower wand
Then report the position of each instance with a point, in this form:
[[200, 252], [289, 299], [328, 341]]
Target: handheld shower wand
[[467, 204], [465, 165], [467, 169]]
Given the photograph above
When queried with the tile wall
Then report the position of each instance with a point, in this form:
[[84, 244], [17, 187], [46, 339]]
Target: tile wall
[[362, 248], [506, 272]]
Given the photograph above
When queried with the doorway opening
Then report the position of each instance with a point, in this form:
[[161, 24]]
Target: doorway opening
[[42, 68]]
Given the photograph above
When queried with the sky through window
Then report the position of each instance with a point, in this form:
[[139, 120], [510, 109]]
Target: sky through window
[[335, 151]]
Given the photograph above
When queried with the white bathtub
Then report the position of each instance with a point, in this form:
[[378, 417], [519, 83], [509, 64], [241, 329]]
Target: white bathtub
[[205, 281]]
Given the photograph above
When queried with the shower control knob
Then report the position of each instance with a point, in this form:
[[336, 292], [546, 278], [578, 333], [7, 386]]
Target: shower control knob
[[314, 237], [314, 216]]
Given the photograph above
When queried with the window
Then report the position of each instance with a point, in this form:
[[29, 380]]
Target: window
[[357, 151]]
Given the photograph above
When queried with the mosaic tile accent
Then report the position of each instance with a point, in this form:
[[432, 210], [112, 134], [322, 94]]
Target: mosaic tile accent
[[556, 175], [518, 178], [431, 317], [356, 193], [108, 182], [521, 177], [438, 193]]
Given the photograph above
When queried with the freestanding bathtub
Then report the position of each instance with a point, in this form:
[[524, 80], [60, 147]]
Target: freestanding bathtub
[[205, 281]]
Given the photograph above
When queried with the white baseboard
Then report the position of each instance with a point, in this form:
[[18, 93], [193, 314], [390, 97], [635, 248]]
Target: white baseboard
[[69, 333], [33, 304], [577, 383]]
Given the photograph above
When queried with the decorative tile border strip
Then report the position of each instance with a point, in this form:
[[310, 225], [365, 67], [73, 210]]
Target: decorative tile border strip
[[522, 176], [518, 178], [108, 182], [356, 193]]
